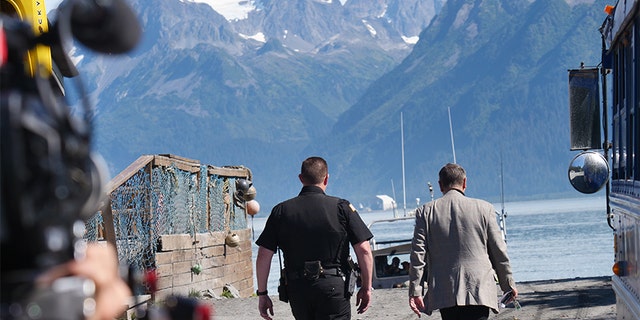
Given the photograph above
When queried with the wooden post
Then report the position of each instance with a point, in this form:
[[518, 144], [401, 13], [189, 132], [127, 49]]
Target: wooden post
[[109, 230]]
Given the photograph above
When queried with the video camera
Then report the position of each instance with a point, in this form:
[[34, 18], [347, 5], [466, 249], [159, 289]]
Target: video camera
[[51, 179]]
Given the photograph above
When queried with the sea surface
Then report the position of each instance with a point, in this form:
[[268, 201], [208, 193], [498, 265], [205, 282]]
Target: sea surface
[[548, 239]]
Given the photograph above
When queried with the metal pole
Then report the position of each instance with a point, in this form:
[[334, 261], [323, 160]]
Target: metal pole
[[430, 189], [606, 146], [395, 205], [404, 192], [453, 147], [605, 127], [503, 214]]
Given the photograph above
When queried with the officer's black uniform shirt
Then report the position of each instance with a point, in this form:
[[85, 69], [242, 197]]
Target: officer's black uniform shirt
[[313, 226]]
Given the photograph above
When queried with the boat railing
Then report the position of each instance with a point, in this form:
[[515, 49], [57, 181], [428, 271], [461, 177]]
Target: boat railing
[[375, 244], [393, 241], [389, 220]]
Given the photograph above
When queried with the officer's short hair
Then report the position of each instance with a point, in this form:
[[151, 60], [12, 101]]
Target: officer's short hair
[[452, 175], [314, 170]]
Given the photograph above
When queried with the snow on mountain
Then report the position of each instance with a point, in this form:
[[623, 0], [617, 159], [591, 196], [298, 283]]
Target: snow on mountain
[[260, 37], [236, 9], [411, 40], [230, 9]]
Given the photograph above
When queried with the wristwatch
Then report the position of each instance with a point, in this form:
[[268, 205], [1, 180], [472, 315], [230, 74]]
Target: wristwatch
[[262, 293]]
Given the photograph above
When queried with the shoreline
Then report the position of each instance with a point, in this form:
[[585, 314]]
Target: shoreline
[[575, 298]]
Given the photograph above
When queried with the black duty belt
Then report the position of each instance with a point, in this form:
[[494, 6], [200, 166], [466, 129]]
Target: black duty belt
[[296, 275]]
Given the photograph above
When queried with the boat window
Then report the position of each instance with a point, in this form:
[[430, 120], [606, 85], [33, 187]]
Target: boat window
[[392, 265]]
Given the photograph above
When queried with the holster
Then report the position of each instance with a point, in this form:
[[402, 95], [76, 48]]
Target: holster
[[312, 270], [350, 283], [283, 295], [352, 277]]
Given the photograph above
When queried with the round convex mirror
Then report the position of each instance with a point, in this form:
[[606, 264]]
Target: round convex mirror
[[588, 172]]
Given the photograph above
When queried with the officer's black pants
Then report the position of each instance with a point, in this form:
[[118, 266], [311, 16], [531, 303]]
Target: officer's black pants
[[465, 313], [320, 299]]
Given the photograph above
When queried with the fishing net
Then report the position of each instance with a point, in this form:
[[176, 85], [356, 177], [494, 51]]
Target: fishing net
[[165, 200]]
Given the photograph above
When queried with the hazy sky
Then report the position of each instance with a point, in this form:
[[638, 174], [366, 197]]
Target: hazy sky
[[51, 4]]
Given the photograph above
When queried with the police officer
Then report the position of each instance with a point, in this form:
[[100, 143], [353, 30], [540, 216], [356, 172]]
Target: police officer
[[314, 231]]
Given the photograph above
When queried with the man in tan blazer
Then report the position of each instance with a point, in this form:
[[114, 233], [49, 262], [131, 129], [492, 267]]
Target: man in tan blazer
[[458, 244]]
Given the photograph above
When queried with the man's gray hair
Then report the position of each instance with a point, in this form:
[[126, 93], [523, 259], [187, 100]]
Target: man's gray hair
[[452, 175]]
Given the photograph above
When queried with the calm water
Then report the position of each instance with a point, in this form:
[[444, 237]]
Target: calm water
[[552, 239]]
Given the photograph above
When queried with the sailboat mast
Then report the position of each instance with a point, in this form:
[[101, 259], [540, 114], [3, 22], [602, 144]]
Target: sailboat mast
[[395, 205], [453, 147], [503, 214], [404, 192], [501, 184]]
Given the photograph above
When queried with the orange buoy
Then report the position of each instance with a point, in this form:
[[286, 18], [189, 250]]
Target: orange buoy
[[253, 207]]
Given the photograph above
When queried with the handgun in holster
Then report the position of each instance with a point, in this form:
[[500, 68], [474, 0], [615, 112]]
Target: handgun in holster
[[352, 277]]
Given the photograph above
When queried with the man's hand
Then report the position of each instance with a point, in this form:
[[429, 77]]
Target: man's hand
[[363, 300], [514, 295], [100, 265], [417, 305], [265, 304]]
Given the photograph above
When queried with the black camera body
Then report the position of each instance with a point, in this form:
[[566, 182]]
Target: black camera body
[[51, 180]]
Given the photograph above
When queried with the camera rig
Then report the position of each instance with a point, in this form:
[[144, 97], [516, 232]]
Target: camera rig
[[51, 180]]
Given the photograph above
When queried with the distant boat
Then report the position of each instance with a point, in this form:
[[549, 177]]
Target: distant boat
[[391, 256], [388, 203]]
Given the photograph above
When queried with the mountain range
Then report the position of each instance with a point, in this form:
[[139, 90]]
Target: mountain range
[[291, 79], [500, 69]]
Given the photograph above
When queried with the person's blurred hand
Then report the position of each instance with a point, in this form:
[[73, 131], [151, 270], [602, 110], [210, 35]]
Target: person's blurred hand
[[100, 265]]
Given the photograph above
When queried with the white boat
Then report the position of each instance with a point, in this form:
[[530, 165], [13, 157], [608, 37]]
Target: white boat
[[391, 253]]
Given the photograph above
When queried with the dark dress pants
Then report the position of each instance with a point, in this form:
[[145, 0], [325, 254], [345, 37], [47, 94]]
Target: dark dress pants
[[465, 313], [320, 299]]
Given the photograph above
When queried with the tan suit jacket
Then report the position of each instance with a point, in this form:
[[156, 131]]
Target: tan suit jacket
[[459, 241]]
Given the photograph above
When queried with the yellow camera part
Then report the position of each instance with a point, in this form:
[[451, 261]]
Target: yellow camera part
[[35, 13]]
